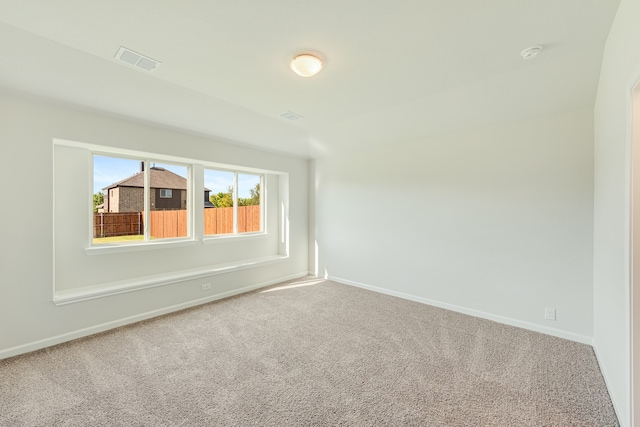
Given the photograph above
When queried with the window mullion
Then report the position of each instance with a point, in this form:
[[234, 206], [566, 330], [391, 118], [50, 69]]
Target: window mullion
[[263, 192], [147, 201], [191, 201], [235, 203]]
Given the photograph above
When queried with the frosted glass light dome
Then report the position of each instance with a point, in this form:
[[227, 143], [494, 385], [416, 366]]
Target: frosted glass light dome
[[306, 65]]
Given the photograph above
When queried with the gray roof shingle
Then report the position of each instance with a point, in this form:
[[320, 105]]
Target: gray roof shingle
[[159, 178]]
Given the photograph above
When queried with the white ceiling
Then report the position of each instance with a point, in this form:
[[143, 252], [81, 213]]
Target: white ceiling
[[394, 71]]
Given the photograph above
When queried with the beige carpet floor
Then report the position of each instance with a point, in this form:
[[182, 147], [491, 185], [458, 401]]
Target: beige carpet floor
[[308, 353]]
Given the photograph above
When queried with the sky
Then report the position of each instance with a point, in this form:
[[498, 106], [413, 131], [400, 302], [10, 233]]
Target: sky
[[109, 170], [219, 181]]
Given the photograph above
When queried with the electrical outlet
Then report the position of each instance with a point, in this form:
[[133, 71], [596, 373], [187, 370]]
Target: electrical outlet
[[550, 313], [206, 286]]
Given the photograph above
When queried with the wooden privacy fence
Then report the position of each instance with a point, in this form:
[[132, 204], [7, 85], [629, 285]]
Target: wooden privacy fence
[[173, 223], [165, 224], [117, 224], [220, 220]]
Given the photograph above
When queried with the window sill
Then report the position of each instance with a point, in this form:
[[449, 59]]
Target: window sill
[[71, 296], [207, 240], [145, 246]]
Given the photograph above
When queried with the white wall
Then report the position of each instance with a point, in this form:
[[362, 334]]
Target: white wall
[[620, 70], [496, 222], [635, 257], [28, 316]]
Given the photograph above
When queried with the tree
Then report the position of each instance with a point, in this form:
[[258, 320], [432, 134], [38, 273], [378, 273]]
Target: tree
[[225, 200], [98, 199], [222, 200], [254, 200]]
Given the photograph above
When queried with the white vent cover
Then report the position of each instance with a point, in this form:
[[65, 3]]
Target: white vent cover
[[136, 59], [290, 115]]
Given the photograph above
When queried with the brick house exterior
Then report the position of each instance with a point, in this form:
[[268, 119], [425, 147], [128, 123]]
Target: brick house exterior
[[168, 191]]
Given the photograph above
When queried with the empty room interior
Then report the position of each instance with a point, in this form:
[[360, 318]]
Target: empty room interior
[[329, 213]]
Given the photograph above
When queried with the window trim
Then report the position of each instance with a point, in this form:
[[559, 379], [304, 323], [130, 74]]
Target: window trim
[[262, 205], [148, 160], [135, 247], [235, 203], [263, 217], [195, 229]]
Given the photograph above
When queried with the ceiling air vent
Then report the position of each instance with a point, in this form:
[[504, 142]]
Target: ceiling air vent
[[290, 115], [136, 59]]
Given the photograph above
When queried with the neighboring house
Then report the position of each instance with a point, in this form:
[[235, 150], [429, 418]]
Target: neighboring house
[[168, 192]]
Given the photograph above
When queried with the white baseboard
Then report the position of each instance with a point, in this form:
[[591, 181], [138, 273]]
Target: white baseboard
[[606, 382], [58, 339], [464, 310]]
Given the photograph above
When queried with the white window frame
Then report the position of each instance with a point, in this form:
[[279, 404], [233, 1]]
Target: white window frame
[[195, 227], [148, 162], [168, 193], [262, 211], [263, 199]]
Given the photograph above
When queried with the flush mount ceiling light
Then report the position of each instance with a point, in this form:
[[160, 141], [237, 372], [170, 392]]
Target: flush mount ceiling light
[[306, 65], [531, 52]]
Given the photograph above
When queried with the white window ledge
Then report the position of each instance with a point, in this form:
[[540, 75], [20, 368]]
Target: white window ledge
[[134, 247], [227, 237], [164, 244], [75, 295]]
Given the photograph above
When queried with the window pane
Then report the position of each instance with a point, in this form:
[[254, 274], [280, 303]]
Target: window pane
[[249, 213], [118, 200], [168, 184], [218, 198]]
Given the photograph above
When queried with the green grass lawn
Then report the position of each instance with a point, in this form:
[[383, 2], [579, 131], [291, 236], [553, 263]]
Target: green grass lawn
[[117, 239]]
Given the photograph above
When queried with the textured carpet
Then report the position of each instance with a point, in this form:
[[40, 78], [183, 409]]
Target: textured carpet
[[308, 352]]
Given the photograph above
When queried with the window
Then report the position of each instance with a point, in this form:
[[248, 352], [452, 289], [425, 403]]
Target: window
[[218, 212], [168, 212], [249, 205], [138, 200], [142, 197], [234, 204], [139, 258]]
